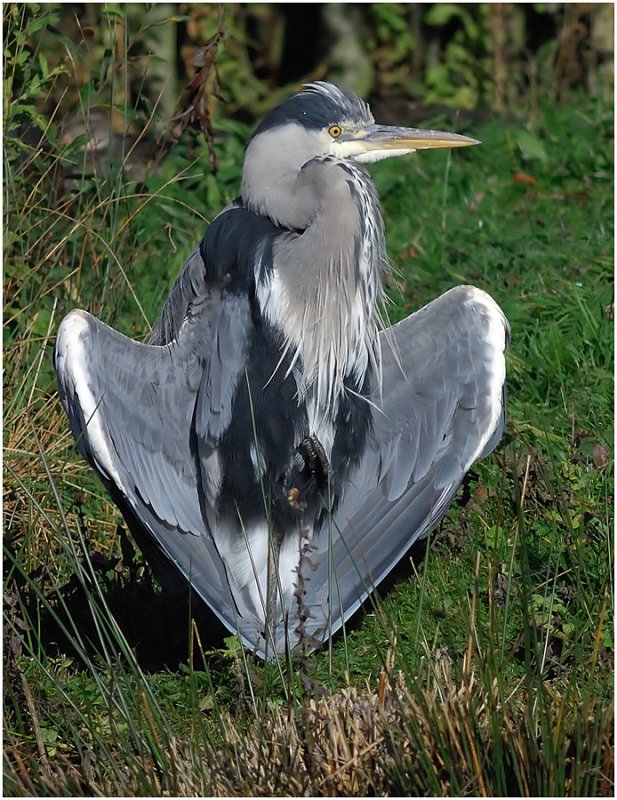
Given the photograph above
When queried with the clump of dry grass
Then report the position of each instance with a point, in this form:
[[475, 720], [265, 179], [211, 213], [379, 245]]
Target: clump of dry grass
[[395, 738], [404, 740]]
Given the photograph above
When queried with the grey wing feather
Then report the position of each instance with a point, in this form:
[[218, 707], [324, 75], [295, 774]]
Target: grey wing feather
[[223, 369], [188, 285], [441, 408], [143, 414]]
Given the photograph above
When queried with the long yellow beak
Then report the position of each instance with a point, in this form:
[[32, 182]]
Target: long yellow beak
[[385, 137]]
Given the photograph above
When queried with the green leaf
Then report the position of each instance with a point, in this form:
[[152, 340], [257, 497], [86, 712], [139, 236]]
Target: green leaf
[[441, 13], [49, 735], [530, 145], [40, 325], [206, 703]]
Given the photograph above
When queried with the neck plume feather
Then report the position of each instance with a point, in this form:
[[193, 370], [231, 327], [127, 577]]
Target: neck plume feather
[[325, 292]]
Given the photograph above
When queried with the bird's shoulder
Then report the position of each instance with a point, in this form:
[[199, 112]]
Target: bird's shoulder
[[227, 260], [235, 245]]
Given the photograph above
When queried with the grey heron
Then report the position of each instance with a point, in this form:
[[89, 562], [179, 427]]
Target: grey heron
[[272, 440]]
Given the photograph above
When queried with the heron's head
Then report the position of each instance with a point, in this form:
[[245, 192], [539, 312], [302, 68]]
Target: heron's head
[[322, 120]]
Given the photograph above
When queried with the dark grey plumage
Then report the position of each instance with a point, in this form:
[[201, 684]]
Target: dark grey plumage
[[267, 427]]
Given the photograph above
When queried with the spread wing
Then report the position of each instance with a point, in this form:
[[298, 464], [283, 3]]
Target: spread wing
[[148, 416], [442, 407]]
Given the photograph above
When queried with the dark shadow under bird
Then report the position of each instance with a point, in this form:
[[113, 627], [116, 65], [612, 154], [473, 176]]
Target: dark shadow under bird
[[273, 440]]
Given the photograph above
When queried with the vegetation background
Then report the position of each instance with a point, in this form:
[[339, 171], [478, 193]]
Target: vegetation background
[[486, 665]]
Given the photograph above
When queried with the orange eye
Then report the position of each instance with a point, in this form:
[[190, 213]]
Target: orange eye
[[335, 131]]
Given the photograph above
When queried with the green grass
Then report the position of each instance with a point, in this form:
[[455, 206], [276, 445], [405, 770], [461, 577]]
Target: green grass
[[487, 667]]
